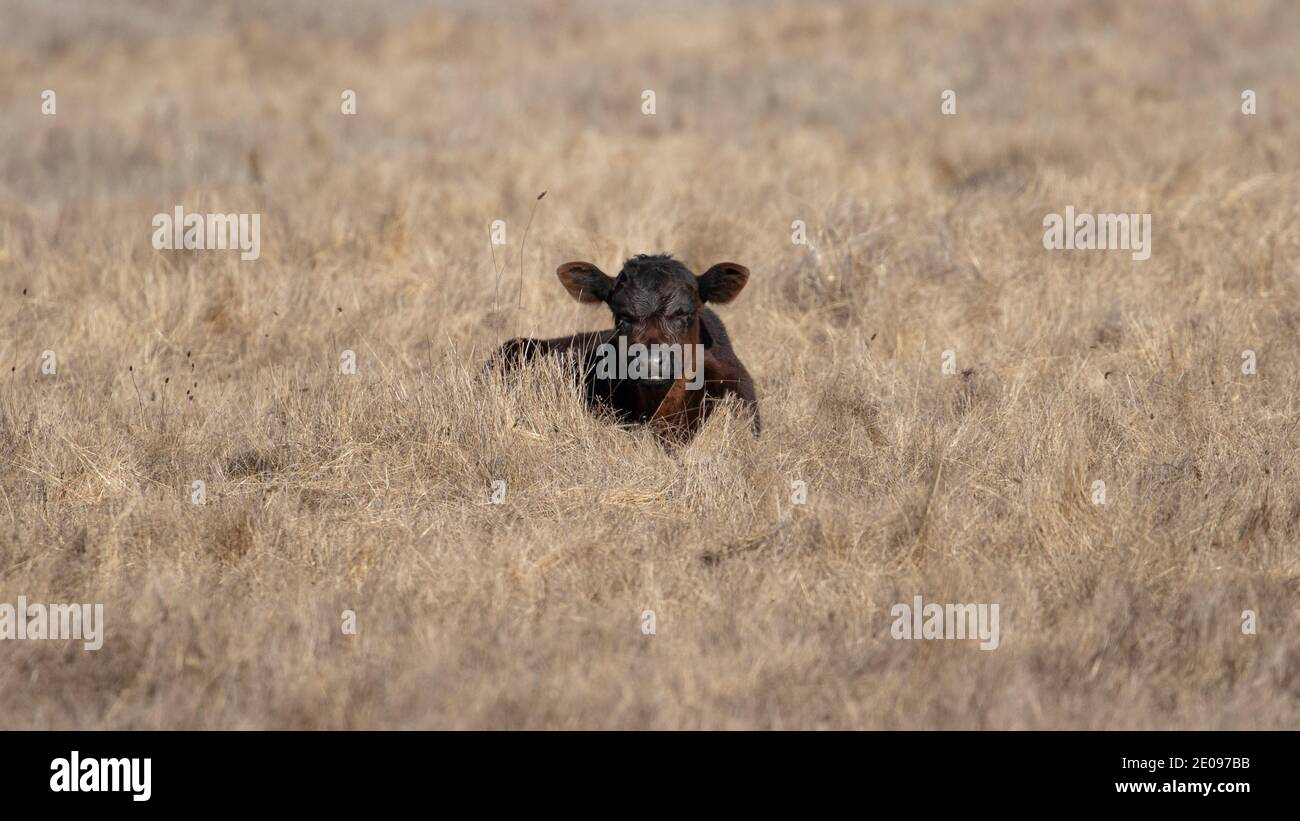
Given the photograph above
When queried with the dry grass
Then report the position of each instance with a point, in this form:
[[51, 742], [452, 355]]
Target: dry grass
[[370, 492]]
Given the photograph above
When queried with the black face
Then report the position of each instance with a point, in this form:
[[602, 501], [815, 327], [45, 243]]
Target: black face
[[656, 300]]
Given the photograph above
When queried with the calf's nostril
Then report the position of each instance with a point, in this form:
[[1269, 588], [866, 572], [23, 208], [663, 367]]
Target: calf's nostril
[[661, 364]]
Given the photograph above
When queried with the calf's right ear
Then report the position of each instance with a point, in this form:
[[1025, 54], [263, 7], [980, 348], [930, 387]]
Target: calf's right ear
[[585, 282], [722, 282]]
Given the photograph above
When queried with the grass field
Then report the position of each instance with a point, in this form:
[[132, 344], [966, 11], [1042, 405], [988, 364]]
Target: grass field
[[370, 492]]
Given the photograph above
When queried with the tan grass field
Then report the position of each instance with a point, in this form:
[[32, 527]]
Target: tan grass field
[[370, 492]]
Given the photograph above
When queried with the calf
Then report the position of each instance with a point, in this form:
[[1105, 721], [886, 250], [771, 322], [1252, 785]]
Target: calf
[[682, 361]]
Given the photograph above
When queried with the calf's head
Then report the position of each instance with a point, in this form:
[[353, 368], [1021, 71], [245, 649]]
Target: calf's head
[[656, 302]]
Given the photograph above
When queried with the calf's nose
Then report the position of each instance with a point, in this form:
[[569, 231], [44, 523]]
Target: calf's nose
[[658, 365]]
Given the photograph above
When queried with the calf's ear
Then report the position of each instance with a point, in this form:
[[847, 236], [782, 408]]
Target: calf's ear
[[585, 282], [722, 282]]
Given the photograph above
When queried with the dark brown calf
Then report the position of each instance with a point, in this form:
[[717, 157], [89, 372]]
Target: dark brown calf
[[659, 304]]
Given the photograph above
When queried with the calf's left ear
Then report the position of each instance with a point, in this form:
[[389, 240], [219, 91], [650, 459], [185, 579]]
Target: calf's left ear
[[585, 282], [722, 282]]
